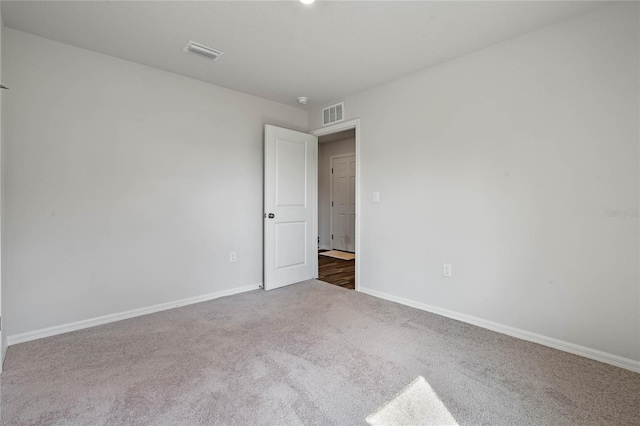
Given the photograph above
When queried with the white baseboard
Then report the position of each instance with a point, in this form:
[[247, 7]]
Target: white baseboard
[[4, 355], [584, 351], [324, 247], [92, 322]]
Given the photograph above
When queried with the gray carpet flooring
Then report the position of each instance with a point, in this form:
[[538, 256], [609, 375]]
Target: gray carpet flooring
[[310, 353]]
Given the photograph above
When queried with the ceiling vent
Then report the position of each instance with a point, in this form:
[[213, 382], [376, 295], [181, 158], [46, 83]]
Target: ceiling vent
[[203, 50], [333, 113]]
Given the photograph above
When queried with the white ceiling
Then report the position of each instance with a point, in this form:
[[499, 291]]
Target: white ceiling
[[282, 50]]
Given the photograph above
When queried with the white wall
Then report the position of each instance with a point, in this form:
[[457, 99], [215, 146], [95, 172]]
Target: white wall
[[503, 163], [3, 334], [126, 186], [325, 151]]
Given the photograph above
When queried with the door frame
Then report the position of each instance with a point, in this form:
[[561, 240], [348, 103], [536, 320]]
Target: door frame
[[335, 128], [350, 154]]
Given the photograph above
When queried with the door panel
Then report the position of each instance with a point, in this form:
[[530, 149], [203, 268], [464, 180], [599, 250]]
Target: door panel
[[343, 211], [290, 196], [290, 173], [290, 244]]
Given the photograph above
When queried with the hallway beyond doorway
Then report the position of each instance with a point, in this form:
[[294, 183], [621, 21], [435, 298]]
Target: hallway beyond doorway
[[336, 271]]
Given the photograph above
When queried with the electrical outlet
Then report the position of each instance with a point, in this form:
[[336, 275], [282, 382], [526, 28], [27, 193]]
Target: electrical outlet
[[446, 269], [232, 257]]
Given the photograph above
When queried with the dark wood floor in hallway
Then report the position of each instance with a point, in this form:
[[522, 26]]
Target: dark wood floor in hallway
[[336, 271]]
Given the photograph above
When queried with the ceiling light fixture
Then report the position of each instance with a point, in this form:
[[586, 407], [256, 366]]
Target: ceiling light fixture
[[203, 50], [302, 100], [307, 1]]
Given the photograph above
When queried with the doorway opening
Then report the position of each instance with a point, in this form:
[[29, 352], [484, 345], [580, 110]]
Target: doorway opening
[[337, 187], [291, 238]]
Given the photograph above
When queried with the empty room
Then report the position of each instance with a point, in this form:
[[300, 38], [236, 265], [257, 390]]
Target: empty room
[[166, 195]]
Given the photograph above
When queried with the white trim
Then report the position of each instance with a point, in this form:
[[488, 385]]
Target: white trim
[[324, 247], [333, 157], [92, 322], [4, 356], [339, 127], [584, 351], [314, 209]]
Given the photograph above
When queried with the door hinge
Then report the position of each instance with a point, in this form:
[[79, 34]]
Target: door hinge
[[332, 204], [332, 170], [332, 236]]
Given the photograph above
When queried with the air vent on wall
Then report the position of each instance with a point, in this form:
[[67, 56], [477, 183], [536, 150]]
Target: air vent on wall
[[203, 50], [333, 113]]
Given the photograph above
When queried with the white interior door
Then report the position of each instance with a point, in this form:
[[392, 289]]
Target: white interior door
[[290, 199], [343, 202]]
